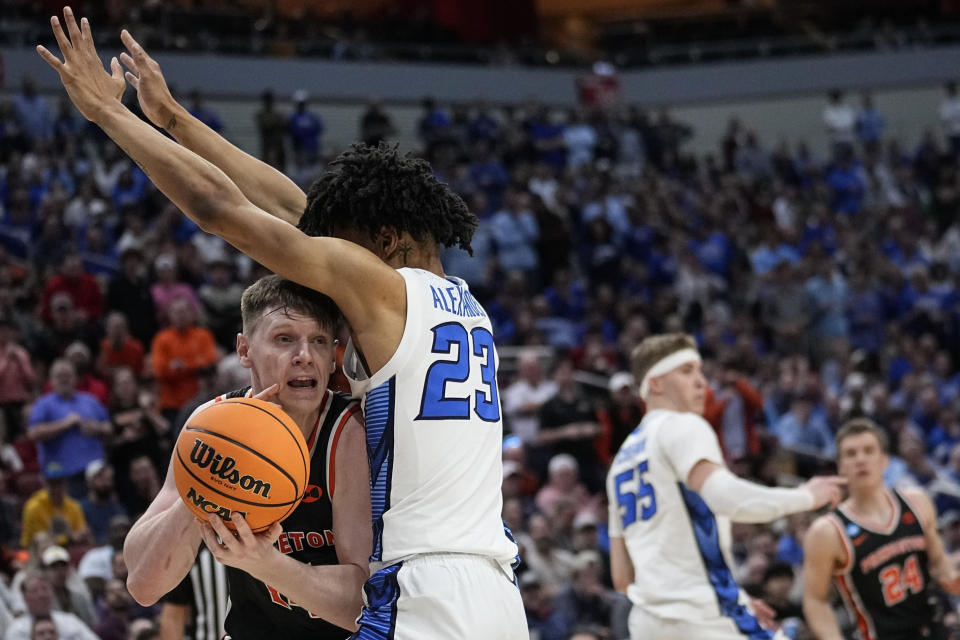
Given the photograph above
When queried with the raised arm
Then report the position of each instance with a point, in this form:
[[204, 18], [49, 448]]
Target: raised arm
[[333, 592], [369, 292], [822, 554], [161, 546], [262, 185]]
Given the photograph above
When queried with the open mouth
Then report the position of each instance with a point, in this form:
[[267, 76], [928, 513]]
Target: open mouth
[[302, 383]]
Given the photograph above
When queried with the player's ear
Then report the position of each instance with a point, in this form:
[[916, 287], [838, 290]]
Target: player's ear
[[243, 351], [387, 241]]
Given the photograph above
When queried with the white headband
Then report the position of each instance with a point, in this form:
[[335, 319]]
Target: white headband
[[666, 365]]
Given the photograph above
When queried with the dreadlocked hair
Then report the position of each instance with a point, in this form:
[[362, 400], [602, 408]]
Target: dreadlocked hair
[[368, 187]]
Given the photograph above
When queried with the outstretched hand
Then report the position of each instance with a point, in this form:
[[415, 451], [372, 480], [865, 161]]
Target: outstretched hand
[[88, 84], [144, 75]]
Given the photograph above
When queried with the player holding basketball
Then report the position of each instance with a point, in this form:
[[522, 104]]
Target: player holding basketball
[[671, 503], [297, 587], [880, 547], [422, 354]]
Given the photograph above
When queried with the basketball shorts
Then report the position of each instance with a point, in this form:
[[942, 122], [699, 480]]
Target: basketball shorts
[[442, 596], [644, 625]]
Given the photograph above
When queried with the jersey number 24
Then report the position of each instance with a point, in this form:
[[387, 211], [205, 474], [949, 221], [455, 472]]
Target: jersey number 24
[[473, 347], [644, 495]]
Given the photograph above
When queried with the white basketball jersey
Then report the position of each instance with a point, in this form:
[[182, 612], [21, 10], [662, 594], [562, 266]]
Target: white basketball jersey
[[434, 431], [680, 550]]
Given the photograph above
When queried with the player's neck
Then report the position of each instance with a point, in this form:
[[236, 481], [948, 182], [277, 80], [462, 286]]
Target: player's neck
[[415, 255], [661, 403], [869, 502], [306, 421]]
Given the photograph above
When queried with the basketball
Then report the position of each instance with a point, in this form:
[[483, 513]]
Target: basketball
[[241, 455]]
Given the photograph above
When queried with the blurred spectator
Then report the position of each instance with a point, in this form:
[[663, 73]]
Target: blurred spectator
[[950, 116], [804, 430], [118, 348], [375, 124], [870, 124], [31, 112], [536, 603], [130, 294], [515, 232], [82, 288], [220, 297], [840, 120], [114, 622], [552, 565], [70, 593], [38, 595], [69, 427], [562, 484], [619, 416], [178, 353], [169, 287], [585, 602], [139, 426], [524, 397], [50, 510], [17, 379], [568, 424], [203, 113], [731, 407], [580, 138], [145, 484], [100, 505], [96, 566], [272, 127], [305, 129], [778, 583], [79, 354]]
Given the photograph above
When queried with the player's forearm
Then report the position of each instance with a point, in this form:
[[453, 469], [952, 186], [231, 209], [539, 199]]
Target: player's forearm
[[159, 551], [820, 619], [263, 185], [333, 592], [196, 187]]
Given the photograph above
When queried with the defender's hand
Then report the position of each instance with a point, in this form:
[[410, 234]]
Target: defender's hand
[[144, 75], [826, 490], [88, 84]]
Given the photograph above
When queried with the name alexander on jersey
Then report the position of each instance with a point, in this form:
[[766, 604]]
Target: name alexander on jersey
[[456, 300]]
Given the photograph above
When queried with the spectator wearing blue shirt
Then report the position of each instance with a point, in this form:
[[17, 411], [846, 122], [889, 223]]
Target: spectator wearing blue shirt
[[68, 427], [805, 430], [31, 112], [846, 181], [483, 126], [827, 289], [488, 174], [870, 124], [305, 131], [515, 232], [203, 113], [865, 313]]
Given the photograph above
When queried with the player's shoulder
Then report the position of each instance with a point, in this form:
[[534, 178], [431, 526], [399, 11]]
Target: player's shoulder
[[919, 501], [826, 530], [681, 425], [343, 405]]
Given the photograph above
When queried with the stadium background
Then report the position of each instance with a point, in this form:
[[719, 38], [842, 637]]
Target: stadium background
[[701, 177]]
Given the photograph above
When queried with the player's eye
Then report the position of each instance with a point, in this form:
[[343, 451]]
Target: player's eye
[[284, 338]]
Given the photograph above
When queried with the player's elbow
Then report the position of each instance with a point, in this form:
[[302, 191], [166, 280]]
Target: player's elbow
[[142, 589]]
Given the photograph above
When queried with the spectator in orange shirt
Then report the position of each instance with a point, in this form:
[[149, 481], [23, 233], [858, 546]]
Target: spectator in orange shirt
[[178, 353], [118, 348], [79, 285]]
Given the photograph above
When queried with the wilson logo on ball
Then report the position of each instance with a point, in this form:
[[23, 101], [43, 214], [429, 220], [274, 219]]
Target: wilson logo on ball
[[204, 456]]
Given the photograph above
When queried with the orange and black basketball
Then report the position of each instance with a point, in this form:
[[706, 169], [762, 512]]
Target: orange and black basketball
[[242, 455]]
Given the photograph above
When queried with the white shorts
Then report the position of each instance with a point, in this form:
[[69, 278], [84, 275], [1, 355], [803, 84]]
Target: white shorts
[[442, 596], [644, 625]]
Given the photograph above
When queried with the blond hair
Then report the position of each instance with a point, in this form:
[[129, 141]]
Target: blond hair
[[856, 426], [655, 348]]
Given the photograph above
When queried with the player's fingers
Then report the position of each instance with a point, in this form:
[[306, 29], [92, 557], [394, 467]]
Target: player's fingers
[[221, 529], [273, 533], [85, 30], [72, 27], [62, 40], [129, 62], [210, 539], [133, 80], [115, 69], [244, 533], [133, 47], [268, 393], [51, 59]]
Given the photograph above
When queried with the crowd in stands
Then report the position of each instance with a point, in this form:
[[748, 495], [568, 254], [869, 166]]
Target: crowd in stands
[[818, 288]]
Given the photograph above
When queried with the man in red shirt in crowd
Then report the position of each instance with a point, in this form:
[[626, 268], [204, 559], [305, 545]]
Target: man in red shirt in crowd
[[118, 348], [79, 285]]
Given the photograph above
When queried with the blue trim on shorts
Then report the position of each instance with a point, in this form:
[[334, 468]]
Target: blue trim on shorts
[[724, 586], [378, 620], [516, 562]]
